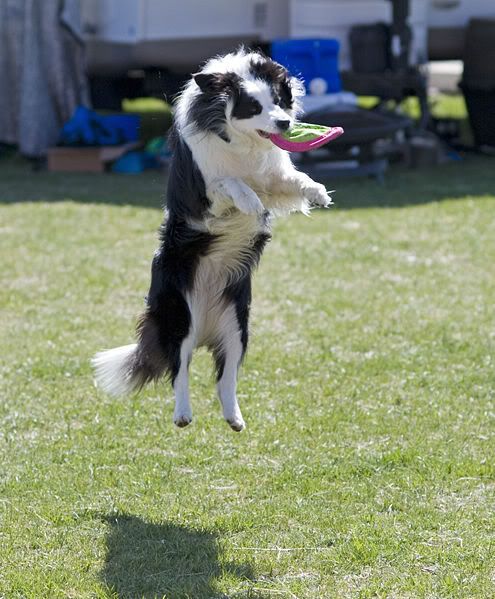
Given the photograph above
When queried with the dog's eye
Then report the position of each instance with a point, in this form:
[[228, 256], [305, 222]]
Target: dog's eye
[[254, 107], [280, 101], [284, 96], [246, 107]]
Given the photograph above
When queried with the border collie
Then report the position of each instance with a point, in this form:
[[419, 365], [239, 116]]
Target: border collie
[[226, 181]]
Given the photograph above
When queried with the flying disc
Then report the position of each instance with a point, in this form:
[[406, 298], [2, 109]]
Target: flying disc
[[303, 137]]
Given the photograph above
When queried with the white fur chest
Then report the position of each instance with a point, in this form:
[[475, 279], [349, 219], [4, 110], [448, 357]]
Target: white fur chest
[[217, 159]]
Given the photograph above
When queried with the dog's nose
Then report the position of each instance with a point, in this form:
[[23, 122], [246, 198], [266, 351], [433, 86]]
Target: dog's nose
[[283, 125]]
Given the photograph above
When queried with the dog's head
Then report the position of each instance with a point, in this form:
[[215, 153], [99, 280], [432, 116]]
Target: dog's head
[[245, 94]]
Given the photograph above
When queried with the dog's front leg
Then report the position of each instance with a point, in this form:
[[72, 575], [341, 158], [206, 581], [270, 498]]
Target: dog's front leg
[[225, 191], [300, 183]]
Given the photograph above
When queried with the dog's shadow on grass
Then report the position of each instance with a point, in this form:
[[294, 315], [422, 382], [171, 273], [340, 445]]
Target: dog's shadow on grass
[[164, 560]]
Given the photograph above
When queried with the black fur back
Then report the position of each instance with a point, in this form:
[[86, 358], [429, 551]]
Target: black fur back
[[167, 319], [186, 192]]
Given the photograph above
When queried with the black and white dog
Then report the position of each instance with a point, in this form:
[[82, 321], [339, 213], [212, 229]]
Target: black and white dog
[[226, 181]]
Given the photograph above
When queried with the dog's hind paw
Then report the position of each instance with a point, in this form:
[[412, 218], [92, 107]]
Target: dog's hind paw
[[182, 420], [236, 424]]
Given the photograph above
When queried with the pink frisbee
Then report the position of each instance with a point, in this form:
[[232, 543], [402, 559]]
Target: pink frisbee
[[305, 136]]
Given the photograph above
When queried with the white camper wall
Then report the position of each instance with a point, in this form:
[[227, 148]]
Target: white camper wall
[[117, 21], [164, 20], [134, 21], [181, 33], [124, 34]]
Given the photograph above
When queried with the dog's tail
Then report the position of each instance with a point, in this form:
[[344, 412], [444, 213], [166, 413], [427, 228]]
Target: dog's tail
[[123, 370], [114, 369]]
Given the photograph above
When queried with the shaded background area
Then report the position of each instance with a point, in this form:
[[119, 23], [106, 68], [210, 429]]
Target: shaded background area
[[475, 176]]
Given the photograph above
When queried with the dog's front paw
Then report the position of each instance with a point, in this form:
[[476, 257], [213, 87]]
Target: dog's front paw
[[221, 191], [317, 194], [247, 201]]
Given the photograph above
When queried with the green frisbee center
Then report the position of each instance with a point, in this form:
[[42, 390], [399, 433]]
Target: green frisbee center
[[303, 132]]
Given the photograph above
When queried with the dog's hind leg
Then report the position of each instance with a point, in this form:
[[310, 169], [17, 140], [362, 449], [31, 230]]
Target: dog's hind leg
[[182, 411], [232, 337], [167, 336]]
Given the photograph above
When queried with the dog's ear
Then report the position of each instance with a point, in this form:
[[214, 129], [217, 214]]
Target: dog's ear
[[217, 83], [209, 82]]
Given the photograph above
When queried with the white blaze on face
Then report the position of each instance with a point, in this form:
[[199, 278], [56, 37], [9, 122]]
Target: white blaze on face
[[270, 113]]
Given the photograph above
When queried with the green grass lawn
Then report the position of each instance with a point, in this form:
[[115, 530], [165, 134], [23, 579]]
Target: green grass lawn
[[367, 467]]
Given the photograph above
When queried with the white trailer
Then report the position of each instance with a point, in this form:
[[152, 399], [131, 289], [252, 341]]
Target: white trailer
[[123, 34]]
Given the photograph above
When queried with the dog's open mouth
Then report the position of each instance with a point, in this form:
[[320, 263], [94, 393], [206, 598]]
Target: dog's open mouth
[[263, 133]]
